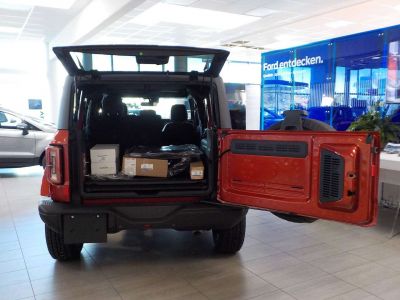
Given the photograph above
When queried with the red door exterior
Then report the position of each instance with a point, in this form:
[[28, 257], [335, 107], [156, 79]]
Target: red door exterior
[[326, 175]]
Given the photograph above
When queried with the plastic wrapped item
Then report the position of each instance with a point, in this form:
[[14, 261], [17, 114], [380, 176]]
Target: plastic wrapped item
[[116, 177], [166, 152], [178, 156]]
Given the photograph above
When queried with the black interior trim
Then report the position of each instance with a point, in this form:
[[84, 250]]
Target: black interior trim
[[270, 148]]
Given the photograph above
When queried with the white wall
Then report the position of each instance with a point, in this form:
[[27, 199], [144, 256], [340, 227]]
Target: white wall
[[253, 93], [23, 76], [56, 77]]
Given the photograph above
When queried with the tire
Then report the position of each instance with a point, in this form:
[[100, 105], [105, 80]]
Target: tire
[[308, 125], [60, 251], [42, 161], [230, 241]]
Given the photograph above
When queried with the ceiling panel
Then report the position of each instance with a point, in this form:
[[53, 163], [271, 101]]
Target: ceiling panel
[[31, 21], [301, 20], [279, 23]]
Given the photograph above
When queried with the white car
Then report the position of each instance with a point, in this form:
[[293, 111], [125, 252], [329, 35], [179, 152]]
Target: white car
[[23, 139]]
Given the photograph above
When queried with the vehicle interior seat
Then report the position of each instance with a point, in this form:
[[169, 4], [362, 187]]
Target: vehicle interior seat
[[105, 127], [179, 131], [148, 128]]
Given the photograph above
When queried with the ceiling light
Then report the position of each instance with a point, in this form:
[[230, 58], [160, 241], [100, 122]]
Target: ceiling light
[[169, 13], [61, 4], [240, 42], [261, 12], [9, 29], [338, 24]]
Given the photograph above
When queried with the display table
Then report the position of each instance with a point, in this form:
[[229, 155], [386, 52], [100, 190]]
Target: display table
[[390, 162], [389, 172]]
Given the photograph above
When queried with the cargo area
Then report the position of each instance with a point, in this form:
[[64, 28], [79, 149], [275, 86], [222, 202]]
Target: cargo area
[[145, 140]]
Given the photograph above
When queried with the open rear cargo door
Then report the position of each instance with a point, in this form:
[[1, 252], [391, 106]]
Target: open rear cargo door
[[326, 175]]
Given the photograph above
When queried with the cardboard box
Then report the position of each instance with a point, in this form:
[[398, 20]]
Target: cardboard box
[[134, 166], [104, 153], [103, 168], [129, 166], [196, 170]]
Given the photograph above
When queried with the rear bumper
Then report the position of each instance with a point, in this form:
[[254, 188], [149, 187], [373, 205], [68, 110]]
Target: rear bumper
[[111, 219]]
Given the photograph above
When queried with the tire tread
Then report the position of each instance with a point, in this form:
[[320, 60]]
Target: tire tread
[[231, 240], [58, 249]]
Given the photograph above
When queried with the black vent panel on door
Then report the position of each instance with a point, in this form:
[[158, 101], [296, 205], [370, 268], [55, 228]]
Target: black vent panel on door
[[331, 177], [270, 148]]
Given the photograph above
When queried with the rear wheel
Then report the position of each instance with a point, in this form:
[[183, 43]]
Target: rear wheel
[[309, 125], [58, 249], [229, 241], [42, 161]]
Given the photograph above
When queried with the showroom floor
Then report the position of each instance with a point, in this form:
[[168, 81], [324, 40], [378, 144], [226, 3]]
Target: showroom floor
[[280, 260]]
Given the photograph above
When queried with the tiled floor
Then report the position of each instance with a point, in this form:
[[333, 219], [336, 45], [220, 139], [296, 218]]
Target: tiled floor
[[280, 260]]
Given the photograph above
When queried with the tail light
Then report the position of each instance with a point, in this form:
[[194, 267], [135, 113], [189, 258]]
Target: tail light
[[54, 164]]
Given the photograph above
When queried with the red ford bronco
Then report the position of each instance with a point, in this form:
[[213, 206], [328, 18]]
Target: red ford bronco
[[144, 107]]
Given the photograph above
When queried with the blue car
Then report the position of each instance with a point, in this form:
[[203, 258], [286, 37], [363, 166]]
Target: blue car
[[341, 116], [271, 117]]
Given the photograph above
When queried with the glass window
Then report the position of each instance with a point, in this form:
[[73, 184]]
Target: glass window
[[317, 60], [101, 62], [353, 83], [150, 68], [393, 74], [105, 62], [8, 120], [124, 63], [277, 81], [298, 78], [361, 58], [340, 80], [162, 108], [195, 64]]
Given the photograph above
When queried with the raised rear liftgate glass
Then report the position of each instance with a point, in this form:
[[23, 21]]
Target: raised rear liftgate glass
[[118, 63], [141, 58]]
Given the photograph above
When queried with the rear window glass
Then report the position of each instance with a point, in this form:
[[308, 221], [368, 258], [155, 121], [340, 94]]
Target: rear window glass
[[126, 63], [135, 105]]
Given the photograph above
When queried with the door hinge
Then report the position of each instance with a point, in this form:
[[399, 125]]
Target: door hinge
[[369, 139], [224, 133]]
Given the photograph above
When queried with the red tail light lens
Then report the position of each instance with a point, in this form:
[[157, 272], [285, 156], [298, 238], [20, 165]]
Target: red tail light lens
[[54, 164]]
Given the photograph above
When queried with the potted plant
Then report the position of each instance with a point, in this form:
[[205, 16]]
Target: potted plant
[[374, 121]]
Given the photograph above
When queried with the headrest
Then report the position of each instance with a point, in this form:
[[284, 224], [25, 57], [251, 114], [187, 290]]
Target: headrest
[[178, 113], [147, 113], [112, 106]]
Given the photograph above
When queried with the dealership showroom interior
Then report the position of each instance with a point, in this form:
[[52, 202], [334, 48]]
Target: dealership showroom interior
[[200, 149]]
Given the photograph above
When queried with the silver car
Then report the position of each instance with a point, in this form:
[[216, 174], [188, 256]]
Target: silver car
[[23, 139]]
